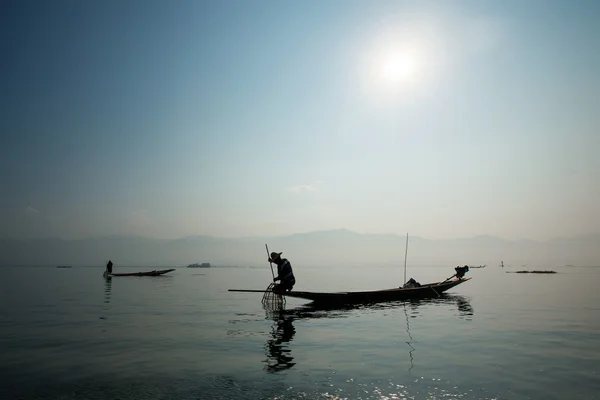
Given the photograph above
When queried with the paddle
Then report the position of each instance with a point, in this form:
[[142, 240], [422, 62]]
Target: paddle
[[270, 263], [447, 279]]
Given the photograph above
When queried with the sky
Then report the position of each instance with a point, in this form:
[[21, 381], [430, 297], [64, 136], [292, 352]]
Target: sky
[[236, 118]]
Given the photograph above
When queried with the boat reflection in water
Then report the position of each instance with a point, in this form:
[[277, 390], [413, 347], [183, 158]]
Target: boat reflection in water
[[278, 354], [463, 304], [465, 311], [277, 348], [409, 342], [107, 289], [107, 293]]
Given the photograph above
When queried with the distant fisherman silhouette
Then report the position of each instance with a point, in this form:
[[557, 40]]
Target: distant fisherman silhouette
[[284, 273], [461, 271], [109, 266]]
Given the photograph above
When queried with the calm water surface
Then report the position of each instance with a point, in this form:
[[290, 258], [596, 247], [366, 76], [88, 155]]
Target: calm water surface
[[70, 334]]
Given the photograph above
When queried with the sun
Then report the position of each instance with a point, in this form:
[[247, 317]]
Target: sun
[[397, 66], [402, 62]]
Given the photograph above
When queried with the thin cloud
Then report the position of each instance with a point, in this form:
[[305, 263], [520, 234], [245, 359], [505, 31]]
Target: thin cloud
[[302, 188], [31, 210], [305, 188]]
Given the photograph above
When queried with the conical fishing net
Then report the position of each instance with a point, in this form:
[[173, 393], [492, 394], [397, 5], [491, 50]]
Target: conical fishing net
[[273, 300]]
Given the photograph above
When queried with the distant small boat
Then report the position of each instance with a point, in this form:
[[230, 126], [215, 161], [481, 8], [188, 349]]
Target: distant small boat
[[481, 266], [196, 265], [531, 272], [148, 273], [63, 266]]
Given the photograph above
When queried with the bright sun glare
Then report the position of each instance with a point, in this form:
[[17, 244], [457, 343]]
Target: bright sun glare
[[400, 63], [396, 66]]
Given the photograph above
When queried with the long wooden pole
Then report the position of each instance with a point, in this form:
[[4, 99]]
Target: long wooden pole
[[270, 263], [405, 255]]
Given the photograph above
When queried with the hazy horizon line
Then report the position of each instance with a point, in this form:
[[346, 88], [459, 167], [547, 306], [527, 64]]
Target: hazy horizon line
[[141, 236]]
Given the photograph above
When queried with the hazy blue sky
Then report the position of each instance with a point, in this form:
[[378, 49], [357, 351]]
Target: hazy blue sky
[[172, 118]]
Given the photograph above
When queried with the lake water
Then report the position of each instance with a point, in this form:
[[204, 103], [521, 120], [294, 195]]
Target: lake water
[[70, 334]]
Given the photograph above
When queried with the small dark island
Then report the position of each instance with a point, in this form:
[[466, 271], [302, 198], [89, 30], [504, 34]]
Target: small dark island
[[196, 265]]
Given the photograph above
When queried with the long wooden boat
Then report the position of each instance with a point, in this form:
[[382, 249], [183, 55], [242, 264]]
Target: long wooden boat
[[374, 296], [148, 273]]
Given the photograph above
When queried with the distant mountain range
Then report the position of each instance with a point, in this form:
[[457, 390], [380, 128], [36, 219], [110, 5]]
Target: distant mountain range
[[322, 248]]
